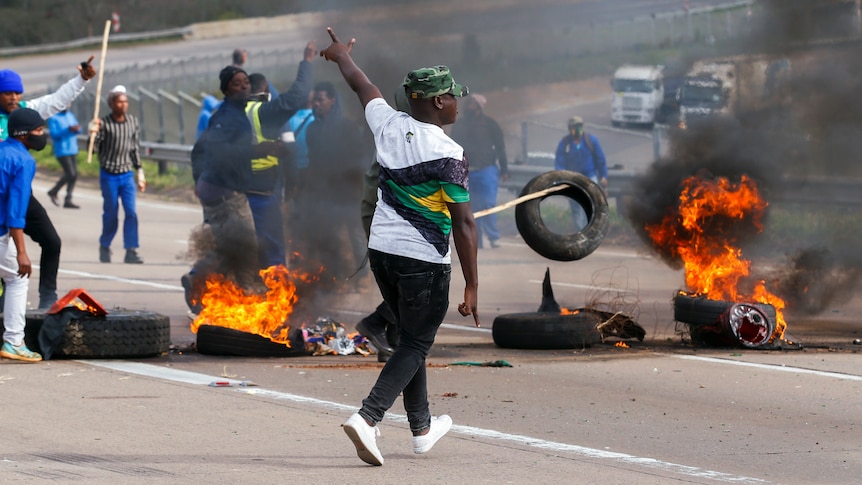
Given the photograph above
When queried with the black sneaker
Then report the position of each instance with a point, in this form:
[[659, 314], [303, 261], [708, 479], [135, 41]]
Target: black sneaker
[[132, 257], [377, 338], [71, 205], [54, 198], [104, 254]]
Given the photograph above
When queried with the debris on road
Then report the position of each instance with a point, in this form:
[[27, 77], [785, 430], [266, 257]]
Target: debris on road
[[490, 363]]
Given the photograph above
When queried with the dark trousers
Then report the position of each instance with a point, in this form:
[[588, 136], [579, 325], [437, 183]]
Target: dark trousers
[[38, 226], [483, 195], [269, 227], [70, 176], [418, 294]]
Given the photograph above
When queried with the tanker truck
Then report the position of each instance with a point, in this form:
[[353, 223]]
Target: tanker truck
[[725, 86]]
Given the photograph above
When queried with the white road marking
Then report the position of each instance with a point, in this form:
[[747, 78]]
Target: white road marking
[[96, 276], [187, 377], [586, 287], [779, 368]]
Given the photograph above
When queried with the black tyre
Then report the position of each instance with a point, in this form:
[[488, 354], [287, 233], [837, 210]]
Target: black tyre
[[215, 340], [120, 334], [699, 310], [569, 247], [546, 330]]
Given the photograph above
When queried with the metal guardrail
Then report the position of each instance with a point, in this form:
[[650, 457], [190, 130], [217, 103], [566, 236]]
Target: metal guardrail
[[827, 191], [154, 151], [95, 40]]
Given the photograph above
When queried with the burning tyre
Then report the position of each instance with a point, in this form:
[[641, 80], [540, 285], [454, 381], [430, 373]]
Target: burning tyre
[[546, 330], [724, 323], [215, 340], [699, 310], [559, 247], [120, 334]]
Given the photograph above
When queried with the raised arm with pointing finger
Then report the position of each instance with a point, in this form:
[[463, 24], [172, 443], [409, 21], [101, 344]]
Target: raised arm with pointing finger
[[439, 109], [422, 198]]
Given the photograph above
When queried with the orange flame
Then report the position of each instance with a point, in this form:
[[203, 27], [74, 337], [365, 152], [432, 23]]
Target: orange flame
[[227, 305], [713, 265], [622, 345], [567, 311]]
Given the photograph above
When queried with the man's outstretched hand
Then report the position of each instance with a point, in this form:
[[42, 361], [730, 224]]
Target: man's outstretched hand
[[310, 51], [336, 49], [87, 70]]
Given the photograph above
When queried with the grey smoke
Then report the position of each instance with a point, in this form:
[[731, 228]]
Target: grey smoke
[[816, 134]]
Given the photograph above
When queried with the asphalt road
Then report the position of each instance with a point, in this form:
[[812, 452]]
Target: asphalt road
[[658, 412]]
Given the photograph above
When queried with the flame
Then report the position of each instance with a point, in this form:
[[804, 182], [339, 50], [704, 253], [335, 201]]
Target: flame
[[713, 264], [622, 345], [227, 305], [567, 311]]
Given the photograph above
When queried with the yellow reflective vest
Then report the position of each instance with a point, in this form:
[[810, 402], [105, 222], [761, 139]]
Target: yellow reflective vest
[[258, 164]]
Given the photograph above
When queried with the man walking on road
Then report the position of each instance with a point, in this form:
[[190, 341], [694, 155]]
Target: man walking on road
[[64, 129], [423, 197], [120, 175], [580, 152]]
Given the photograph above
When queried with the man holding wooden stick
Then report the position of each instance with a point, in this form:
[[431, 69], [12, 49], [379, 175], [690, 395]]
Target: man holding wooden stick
[[117, 141], [38, 225]]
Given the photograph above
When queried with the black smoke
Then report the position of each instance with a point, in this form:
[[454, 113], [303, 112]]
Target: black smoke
[[811, 133]]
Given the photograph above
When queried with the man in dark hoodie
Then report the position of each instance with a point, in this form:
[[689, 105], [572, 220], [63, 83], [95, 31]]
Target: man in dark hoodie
[[222, 170], [337, 158]]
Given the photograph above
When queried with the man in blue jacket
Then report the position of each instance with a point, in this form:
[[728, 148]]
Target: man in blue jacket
[[222, 170], [26, 130], [64, 129], [580, 152]]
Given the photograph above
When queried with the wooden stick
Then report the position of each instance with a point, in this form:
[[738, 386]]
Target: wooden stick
[[519, 200], [99, 87]]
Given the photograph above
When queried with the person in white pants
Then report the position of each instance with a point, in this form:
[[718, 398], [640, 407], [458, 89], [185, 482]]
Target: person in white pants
[[17, 168]]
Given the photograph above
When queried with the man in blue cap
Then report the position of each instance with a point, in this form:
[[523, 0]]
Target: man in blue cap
[[39, 226], [26, 130]]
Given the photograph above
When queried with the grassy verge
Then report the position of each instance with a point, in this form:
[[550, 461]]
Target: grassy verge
[[175, 184]]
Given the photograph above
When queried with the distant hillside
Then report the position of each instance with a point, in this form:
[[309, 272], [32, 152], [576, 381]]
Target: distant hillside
[[33, 22]]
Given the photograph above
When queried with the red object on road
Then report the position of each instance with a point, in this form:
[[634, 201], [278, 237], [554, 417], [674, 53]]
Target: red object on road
[[79, 298]]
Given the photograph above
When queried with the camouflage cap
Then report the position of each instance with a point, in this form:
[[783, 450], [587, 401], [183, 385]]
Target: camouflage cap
[[432, 81]]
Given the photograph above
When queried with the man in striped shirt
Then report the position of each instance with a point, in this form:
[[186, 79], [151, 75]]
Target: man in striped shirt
[[117, 138]]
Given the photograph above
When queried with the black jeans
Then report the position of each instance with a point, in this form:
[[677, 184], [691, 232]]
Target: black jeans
[[38, 226], [70, 176], [418, 294], [41, 230]]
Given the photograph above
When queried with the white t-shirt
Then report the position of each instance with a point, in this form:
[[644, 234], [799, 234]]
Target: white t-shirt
[[421, 170]]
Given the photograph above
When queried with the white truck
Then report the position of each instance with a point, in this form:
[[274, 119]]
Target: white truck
[[725, 86], [638, 94]]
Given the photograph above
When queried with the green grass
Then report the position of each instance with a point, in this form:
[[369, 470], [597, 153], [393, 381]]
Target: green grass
[[175, 183]]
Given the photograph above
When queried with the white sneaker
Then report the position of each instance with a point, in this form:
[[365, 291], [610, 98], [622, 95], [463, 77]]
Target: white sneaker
[[364, 437], [439, 426]]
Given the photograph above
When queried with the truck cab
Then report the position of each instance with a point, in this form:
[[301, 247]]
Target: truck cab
[[702, 95], [638, 94]]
